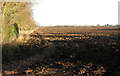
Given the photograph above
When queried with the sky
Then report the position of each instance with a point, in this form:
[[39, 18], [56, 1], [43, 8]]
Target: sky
[[75, 12]]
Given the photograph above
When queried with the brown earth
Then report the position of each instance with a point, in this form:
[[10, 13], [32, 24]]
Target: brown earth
[[62, 51]]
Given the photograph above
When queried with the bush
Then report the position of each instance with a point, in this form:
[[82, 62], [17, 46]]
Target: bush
[[15, 12], [14, 30], [20, 29], [24, 29], [29, 29]]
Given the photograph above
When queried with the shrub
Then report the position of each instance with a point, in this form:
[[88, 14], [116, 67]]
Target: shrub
[[14, 30], [29, 29], [24, 29], [20, 29]]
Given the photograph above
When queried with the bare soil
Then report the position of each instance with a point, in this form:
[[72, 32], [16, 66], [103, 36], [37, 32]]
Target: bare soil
[[85, 51]]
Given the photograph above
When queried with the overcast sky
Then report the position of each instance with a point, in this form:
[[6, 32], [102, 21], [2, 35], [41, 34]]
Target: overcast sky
[[75, 12]]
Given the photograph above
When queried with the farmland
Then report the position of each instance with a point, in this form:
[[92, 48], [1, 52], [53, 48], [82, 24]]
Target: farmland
[[65, 50]]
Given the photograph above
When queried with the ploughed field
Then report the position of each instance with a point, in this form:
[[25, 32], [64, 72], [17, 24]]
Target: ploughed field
[[85, 51]]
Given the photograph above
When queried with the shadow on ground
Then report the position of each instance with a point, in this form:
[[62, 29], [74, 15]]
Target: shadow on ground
[[98, 55]]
